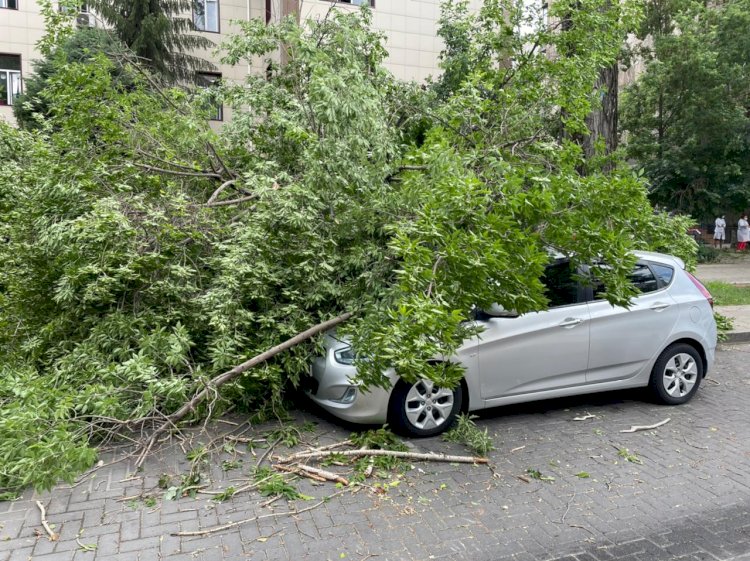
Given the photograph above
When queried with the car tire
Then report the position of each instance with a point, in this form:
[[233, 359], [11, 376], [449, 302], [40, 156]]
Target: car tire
[[676, 375], [423, 409]]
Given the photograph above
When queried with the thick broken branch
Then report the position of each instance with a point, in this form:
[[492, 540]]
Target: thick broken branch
[[429, 457], [218, 191], [317, 472], [154, 169], [295, 470], [234, 373]]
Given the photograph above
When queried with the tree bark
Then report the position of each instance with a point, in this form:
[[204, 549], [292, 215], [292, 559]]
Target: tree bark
[[392, 453], [602, 122]]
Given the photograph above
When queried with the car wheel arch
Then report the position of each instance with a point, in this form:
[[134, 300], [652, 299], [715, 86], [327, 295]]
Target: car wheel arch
[[696, 345]]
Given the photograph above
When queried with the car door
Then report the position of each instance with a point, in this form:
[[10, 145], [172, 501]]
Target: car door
[[540, 351], [624, 340]]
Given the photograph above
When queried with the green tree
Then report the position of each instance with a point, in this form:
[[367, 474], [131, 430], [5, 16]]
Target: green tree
[[80, 46], [159, 33], [687, 118]]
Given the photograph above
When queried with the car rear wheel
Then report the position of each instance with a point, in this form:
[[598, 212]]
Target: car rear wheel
[[677, 374], [423, 408]]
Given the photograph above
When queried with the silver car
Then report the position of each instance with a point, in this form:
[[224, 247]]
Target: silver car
[[582, 344]]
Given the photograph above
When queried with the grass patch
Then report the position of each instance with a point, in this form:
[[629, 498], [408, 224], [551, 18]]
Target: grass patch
[[726, 294]]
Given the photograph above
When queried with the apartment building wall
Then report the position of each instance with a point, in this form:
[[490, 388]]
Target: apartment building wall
[[410, 27], [20, 30]]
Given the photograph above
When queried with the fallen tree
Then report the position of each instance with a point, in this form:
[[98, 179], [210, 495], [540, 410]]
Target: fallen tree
[[147, 256]]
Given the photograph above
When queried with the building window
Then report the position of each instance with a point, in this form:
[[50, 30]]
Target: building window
[[10, 78], [211, 80], [206, 15], [9, 4], [370, 3]]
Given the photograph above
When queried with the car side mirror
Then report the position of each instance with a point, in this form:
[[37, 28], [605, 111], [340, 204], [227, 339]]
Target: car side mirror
[[498, 311]]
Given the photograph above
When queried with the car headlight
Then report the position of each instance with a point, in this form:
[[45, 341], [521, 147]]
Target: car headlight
[[344, 356]]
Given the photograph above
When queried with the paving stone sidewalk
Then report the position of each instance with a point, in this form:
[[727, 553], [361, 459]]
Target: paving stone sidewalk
[[689, 499]]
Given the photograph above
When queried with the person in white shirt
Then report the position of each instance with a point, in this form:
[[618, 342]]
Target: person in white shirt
[[743, 233], [719, 231]]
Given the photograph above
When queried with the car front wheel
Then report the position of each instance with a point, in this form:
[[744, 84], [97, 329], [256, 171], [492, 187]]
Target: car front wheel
[[423, 408], [677, 374]]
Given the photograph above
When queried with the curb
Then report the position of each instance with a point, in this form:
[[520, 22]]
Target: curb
[[737, 337]]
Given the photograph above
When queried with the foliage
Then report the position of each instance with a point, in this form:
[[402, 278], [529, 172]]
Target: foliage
[[466, 432], [158, 33], [629, 456], [536, 474], [724, 325], [708, 254], [334, 188], [687, 117], [378, 439], [80, 46]]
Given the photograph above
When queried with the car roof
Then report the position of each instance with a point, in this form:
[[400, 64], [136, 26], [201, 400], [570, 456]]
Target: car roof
[[660, 258]]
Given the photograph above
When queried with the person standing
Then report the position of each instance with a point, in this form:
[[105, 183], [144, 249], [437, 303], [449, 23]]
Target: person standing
[[743, 233], [719, 231]]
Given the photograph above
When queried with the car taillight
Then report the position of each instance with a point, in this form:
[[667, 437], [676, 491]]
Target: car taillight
[[702, 288]]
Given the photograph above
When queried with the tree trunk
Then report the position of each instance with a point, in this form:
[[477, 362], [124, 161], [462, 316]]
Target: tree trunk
[[602, 122]]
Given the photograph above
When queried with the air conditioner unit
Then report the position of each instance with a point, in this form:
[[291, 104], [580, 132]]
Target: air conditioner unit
[[85, 20]]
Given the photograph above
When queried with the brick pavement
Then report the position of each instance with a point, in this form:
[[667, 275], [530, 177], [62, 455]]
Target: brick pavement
[[688, 500]]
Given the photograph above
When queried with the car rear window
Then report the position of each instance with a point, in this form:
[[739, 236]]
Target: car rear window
[[664, 273], [643, 279]]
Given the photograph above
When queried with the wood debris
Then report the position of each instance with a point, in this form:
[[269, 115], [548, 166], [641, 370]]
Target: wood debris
[[636, 428]]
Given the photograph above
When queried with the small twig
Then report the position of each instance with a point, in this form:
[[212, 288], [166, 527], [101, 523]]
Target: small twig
[[231, 201], [518, 448], [53, 537], [176, 172], [297, 471], [270, 501], [585, 417], [694, 445], [267, 452], [636, 428], [223, 527]]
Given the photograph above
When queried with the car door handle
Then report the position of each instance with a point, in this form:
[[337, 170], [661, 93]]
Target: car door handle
[[659, 307], [570, 322]]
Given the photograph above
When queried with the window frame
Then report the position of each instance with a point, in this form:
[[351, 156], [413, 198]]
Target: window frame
[[218, 17], [370, 3], [8, 101], [8, 7], [219, 115]]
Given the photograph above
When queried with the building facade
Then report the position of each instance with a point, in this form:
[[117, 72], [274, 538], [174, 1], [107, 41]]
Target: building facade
[[410, 27]]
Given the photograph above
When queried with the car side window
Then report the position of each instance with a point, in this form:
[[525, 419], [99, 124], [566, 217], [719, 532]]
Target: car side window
[[561, 288], [663, 273]]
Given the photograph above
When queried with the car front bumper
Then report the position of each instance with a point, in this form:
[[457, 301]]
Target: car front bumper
[[331, 385]]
